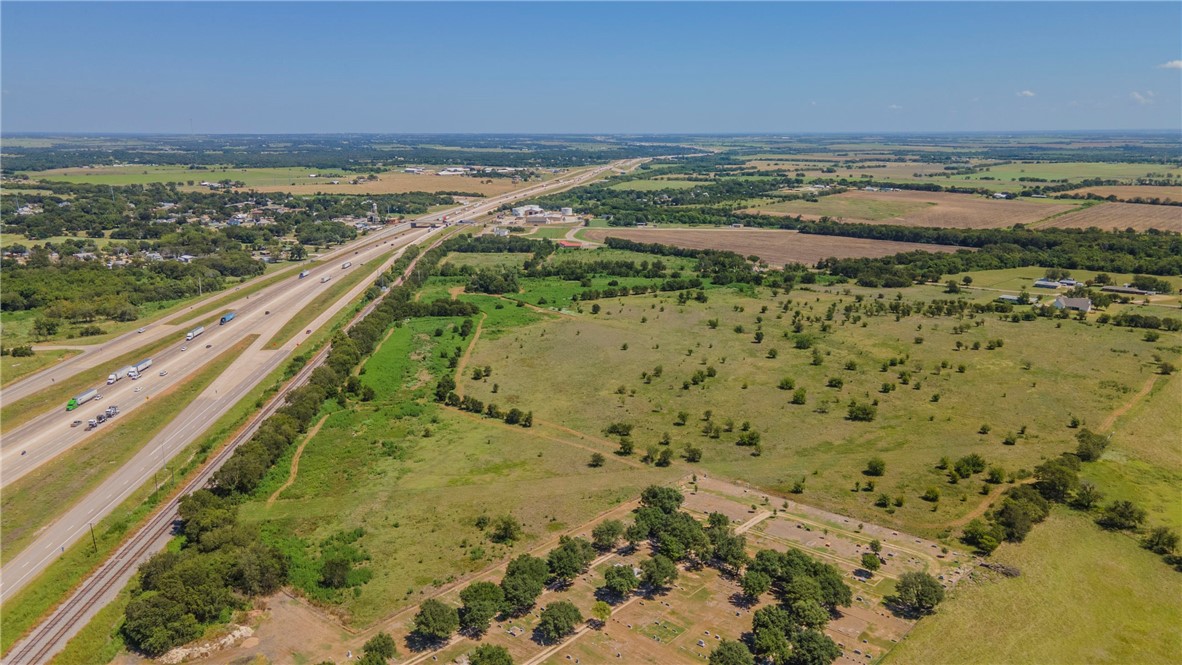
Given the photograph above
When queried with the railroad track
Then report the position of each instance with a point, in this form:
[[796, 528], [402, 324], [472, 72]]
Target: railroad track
[[51, 635]]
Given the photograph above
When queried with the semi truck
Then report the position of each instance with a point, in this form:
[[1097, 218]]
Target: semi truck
[[194, 333], [137, 370], [78, 401], [117, 374], [305, 273], [227, 317]]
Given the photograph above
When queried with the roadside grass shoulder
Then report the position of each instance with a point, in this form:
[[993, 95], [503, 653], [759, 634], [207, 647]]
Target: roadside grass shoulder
[[36, 499], [13, 368]]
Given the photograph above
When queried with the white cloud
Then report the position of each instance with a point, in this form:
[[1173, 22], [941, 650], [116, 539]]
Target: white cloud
[[1026, 93], [895, 107], [1145, 99], [1172, 64]]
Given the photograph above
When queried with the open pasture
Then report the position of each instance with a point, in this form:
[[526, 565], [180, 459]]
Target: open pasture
[[1084, 596], [1121, 216], [656, 184], [776, 247], [587, 371], [912, 208], [1013, 172]]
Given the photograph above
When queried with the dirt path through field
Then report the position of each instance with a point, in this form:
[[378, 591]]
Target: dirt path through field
[[459, 377], [295, 463], [534, 432], [1136, 399]]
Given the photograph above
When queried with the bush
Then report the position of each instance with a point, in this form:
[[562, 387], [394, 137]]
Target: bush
[[862, 412], [381, 645], [875, 467]]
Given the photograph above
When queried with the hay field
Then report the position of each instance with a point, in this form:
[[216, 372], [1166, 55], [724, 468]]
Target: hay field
[[398, 183], [1121, 216], [773, 246], [1134, 191], [941, 209]]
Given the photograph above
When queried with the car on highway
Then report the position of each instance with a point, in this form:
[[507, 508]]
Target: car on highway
[[184, 348], [141, 330], [208, 346], [97, 397], [163, 372], [138, 388], [76, 423], [308, 331]]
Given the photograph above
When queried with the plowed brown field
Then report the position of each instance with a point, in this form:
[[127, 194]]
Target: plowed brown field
[[941, 209], [1120, 216]]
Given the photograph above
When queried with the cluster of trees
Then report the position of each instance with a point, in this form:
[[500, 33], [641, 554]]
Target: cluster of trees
[[488, 280], [445, 393], [83, 291], [1057, 482], [665, 286]]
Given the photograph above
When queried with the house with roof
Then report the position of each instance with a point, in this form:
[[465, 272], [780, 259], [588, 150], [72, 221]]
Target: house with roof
[[1075, 304]]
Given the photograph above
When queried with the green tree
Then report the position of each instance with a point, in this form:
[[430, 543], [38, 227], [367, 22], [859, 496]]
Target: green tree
[[919, 592], [506, 529], [482, 601], [1121, 516], [607, 533], [601, 611], [731, 652], [597, 460], [875, 467], [558, 620], [620, 580], [658, 571], [755, 583], [490, 654], [811, 647], [523, 582], [1161, 540], [381, 646], [436, 621], [570, 558], [871, 562]]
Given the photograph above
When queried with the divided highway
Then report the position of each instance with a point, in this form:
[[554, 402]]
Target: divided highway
[[254, 364]]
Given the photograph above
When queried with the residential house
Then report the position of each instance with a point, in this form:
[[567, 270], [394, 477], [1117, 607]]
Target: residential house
[[1075, 304]]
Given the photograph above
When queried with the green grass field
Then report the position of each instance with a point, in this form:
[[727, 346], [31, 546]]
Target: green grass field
[[815, 441], [142, 175], [416, 495], [34, 500], [1072, 171], [553, 233], [460, 259], [1084, 596]]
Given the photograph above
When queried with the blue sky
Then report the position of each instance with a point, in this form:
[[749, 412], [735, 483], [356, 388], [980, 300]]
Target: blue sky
[[589, 68]]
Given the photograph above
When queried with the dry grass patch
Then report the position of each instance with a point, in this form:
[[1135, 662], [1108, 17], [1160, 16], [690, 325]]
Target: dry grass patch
[[940, 209]]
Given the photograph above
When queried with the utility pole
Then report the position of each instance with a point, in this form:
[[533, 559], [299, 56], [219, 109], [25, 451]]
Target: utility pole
[[92, 539]]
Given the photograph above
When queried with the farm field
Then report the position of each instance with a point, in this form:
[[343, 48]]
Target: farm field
[[813, 168], [1073, 171], [293, 180], [1121, 216], [775, 247], [1084, 596], [1134, 191], [911, 208]]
